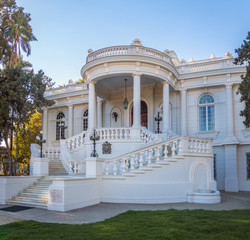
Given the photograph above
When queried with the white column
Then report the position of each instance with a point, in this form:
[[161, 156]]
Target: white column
[[70, 124], [184, 112], [92, 106], [99, 113], [229, 106], [45, 125], [166, 110], [137, 100]]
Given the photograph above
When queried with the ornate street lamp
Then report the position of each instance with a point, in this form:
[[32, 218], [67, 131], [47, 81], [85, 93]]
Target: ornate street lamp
[[125, 102], [40, 141], [158, 118], [95, 137], [62, 127]]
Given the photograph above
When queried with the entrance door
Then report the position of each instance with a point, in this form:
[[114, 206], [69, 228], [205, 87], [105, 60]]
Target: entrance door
[[144, 115]]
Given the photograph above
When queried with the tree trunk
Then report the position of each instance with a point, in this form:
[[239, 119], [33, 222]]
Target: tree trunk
[[9, 156], [17, 150]]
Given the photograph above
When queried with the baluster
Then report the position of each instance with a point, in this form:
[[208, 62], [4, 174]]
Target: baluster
[[207, 148], [166, 152], [195, 146], [199, 146], [106, 167], [149, 157], [157, 154], [124, 165], [180, 146], [190, 146], [204, 147], [173, 149], [141, 160], [115, 167], [132, 162]]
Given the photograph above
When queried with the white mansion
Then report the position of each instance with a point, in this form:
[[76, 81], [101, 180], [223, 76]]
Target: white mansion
[[167, 131]]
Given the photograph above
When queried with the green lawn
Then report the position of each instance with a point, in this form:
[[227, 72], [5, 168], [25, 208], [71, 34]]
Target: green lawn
[[141, 225]]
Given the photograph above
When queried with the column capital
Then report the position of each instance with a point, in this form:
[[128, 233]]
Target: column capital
[[70, 106], [99, 100], [229, 85], [165, 82], [136, 74], [183, 90]]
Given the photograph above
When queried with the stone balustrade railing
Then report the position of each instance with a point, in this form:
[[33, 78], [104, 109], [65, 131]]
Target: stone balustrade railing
[[128, 50], [147, 136], [65, 89], [52, 153], [76, 141], [71, 165], [163, 151], [114, 133], [207, 65]]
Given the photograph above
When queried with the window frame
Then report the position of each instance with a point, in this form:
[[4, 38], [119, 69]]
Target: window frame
[[84, 118], [206, 105], [60, 133]]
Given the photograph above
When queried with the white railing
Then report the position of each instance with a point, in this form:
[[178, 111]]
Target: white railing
[[151, 155], [114, 133], [71, 165], [52, 153], [147, 136], [66, 89], [76, 141], [207, 65], [128, 50]]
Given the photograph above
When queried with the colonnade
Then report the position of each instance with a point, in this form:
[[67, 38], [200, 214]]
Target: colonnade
[[95, 110]]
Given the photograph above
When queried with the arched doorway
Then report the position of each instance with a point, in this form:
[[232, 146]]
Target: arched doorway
[[144, 115]]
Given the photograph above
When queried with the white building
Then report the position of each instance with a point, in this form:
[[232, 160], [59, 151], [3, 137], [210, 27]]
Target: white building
[[201, 137]]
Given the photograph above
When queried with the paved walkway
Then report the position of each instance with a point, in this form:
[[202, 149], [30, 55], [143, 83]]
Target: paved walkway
[[103, 211]]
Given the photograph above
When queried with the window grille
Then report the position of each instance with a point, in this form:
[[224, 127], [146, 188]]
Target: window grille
[[206, 113], [85, 120], [60, 133], [248, 165]]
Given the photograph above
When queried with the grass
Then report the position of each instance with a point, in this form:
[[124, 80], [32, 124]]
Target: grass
[[141, 225]]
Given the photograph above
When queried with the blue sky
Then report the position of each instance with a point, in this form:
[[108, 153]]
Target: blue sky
[[66, 29]]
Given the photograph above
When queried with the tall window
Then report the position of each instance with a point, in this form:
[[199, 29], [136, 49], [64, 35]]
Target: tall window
[[60, 133], [85, 120], [248, 166], [206, 113]]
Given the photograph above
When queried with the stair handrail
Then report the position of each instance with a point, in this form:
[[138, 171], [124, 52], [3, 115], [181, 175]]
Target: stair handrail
[[70, 164], [170, 148], [76, 141], [148, 136]]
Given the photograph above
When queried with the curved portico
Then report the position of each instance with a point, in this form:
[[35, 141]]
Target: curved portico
[[143, 67]]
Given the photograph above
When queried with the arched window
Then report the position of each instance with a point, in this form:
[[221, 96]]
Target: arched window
[[60, 132], [206, 113], [85, 120]]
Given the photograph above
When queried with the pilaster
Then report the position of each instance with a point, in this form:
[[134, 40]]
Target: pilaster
[[184, 112]]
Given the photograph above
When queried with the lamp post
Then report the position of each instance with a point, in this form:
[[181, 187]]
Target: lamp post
[[62, 127], [40, 141], [158, 118], [125, 102], [95, 137]]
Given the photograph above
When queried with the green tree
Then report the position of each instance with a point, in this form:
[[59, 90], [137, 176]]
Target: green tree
[[26, 135], [22, 91], [16, 32], [244, 87]]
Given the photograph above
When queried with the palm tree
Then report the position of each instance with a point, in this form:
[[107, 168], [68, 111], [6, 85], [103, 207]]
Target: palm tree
[[20, 34]]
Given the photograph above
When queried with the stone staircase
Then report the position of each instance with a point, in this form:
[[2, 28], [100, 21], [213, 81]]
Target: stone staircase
[[56, 167], [36, 195]]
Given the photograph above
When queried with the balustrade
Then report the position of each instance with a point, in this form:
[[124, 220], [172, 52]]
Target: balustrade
[[114, 133], [163, 151], [52, 153], [128, 50]]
